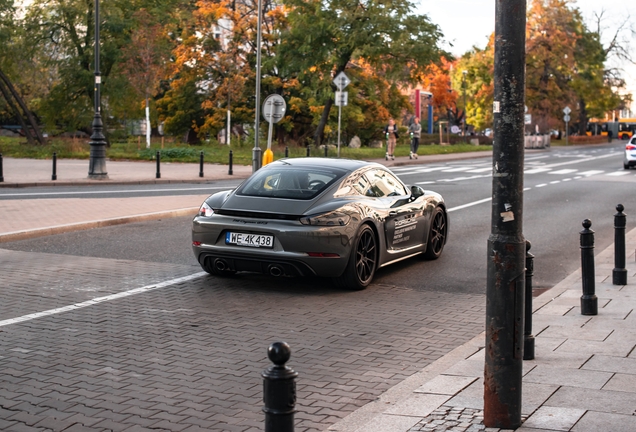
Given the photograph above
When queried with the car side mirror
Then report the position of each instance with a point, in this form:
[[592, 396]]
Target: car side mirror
[[416, 191]]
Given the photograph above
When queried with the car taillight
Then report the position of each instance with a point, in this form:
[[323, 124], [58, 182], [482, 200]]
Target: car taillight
[[206, 210], [630, 147]]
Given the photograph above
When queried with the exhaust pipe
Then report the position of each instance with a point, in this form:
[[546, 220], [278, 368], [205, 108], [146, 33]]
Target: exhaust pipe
[[220, 264], [275, 270]]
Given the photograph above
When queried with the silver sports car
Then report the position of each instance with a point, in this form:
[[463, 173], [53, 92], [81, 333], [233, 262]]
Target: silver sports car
[[335, 218]]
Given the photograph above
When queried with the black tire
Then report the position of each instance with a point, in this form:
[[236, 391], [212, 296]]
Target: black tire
[[625, 166], [437, 235], [363, 261], [208, 266]]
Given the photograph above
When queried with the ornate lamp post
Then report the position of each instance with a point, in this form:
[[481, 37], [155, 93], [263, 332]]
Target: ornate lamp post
[[97, 161]]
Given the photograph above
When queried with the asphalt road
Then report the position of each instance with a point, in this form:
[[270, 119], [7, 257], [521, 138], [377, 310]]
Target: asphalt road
[[189, 353], [563, 187]]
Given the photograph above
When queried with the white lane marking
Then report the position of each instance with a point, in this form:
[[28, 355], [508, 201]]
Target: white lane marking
[[115, 191], [463, 178], [614, 154], [617, 173], [457, 169], [564, 171], [536, 170], [480, 170], [100, 300], [591, 173], [578, 177], [541, 185], [469, 204], [566, 179], [426, 182], [555, 182], [420, 170]]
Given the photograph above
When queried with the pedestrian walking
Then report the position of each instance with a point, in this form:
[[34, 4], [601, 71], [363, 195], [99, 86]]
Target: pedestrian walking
[[416, 132], [391, 132]]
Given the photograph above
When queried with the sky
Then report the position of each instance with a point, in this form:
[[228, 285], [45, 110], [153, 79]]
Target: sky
[[468, 23]]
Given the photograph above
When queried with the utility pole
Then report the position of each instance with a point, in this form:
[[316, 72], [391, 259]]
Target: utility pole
[[506, 245]]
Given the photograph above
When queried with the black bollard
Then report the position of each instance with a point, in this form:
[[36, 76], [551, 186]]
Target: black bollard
[[286, 151], [201, 164], [326, 150], [229, 170], [528, 338], [619, 274], [1, 173], [279, 390], [158, 175], [308, 151], [54, 174], [589, 301]]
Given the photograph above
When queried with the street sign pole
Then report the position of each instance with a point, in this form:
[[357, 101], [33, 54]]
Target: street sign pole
[[339, 119], [341, 81], [566, 119], [505, 292]]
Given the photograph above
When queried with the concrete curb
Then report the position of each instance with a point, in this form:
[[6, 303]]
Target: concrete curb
[[60, 229]]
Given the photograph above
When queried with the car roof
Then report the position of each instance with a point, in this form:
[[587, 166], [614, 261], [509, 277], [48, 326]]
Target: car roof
[[313, 162]]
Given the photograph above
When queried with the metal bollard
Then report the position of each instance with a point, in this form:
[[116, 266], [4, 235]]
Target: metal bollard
[[158, 175], [326, 150], [286, 151], [229, 170], [308, 151], [528, 337], [1, 172], [589, 301], [54, 174], [279, 390], [619, 274], [201, 164]]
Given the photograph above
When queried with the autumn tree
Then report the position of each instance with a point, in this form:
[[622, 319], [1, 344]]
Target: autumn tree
[[145, 60], [479, 65]]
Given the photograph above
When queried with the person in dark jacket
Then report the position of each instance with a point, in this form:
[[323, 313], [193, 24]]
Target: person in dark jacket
[[416, 132]]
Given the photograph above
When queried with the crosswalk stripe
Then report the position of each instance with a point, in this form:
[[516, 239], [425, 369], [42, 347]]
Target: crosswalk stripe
[[480, 170], [617, 173], [591, 172], [537, 170], [564, 171]]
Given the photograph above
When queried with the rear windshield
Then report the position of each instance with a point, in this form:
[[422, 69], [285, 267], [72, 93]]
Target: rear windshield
[[289, 182]]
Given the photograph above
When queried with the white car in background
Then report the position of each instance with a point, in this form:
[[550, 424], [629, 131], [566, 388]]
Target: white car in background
[[630, 153]]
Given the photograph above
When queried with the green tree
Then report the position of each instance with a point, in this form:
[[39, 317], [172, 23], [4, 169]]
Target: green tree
[[326, 38]]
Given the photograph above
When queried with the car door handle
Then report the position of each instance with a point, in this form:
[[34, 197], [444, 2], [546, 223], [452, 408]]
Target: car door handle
[[392, 213]]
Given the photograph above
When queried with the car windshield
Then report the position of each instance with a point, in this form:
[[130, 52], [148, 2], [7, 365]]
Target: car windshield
[[289, 182]]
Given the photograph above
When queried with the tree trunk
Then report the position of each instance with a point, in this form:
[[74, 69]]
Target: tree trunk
[[318, 134], [25, 109], [18, 114], [582, 117]]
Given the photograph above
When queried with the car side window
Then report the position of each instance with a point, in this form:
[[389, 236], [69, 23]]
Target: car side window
[[383, 183]]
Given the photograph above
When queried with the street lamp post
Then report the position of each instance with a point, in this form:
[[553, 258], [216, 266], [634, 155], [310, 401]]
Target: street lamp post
[[256, 151], [97, 161], [464, 72]]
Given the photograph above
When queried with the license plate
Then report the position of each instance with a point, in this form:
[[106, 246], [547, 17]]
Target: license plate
[[249, 240]]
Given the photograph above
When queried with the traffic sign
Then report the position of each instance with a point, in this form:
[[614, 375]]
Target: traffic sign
[[341, 81], [527, 119], [274, 108], [342, 98], [567, 110], [566, 118]]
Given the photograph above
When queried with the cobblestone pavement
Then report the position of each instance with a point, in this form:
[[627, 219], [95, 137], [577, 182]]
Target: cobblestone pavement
[[188, 356]]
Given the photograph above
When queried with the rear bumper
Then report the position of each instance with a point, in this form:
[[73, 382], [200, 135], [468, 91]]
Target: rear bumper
[[290, 254]]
